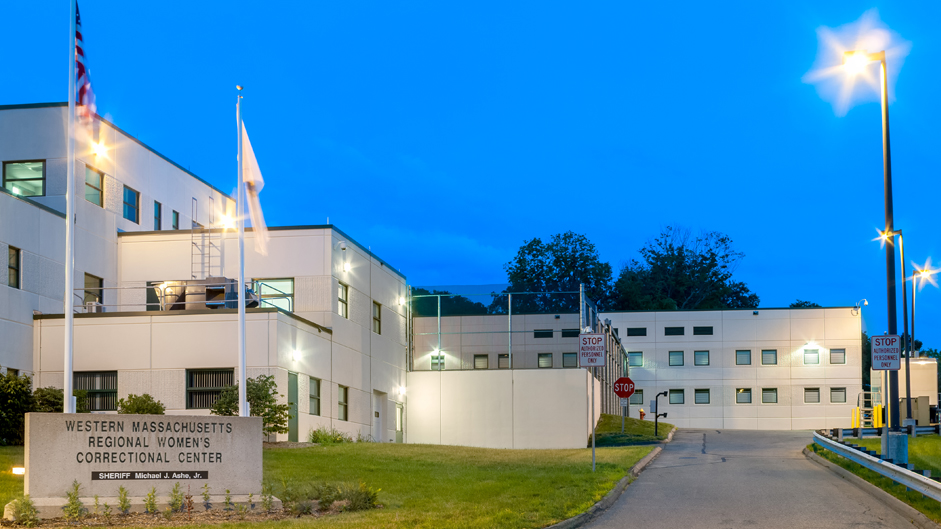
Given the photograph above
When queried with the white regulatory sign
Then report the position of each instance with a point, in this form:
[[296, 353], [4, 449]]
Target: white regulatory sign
[[625, 402], [591, 350], [886, 352]]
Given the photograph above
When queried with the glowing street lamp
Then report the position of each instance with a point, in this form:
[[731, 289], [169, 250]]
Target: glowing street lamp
[[855, 62], [888, 237], [924, 275]]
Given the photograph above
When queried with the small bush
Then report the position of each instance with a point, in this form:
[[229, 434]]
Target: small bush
[[267, 501], [360, 498], [106, 512], [24, 511], [74, 508], [228, 500], [141, 405], [303, 507], [123, 502], [323, 436], [326, 494], [150, 501], [176, 498], [16, 398], [206, 497]]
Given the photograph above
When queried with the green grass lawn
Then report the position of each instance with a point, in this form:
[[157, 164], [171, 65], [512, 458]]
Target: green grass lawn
[[608, 431], [923, 452], [439, 486], [10, 486]]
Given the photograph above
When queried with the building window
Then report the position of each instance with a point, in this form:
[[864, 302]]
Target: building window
[[545, 360], [837, 356], [503, 361], [701, 396], [769, 357], [14, 372], [811, 395], [101, 388], [635, 359], [637, 331], [673, 331], [25, 179], [94, 186], [570, 333], [437, 362], [93, 289], [743, 358], [702, 331], [638, 397], [676, 358], [743, 396], [481, 361], [157, 210], [542, 333], [838, 395], [677, 396], [203, 386], [701, 358], [13, 268], [376, 318], [343, 403], [811, 356], [314, 396], [175, 220], [769, 395], [276, 292], [343, 298], [569, 359], [131, 205]]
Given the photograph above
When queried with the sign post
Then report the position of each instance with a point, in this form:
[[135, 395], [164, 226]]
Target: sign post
[[624, 388], [591, 349], [886, 352]]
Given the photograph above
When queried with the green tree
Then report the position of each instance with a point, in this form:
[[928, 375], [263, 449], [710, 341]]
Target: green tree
[[16, 399], [451, 305], [682, 271], [800, 304], [867, 361], [141, 405], [560, 265], [51, 400], [262, 394]]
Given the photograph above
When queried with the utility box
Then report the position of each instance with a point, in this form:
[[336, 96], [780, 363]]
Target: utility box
[[921, 410]]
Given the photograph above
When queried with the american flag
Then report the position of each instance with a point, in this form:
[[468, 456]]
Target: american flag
[[85, 107]]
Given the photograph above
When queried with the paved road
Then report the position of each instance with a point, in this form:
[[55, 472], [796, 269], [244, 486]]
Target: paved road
[[734, 478]]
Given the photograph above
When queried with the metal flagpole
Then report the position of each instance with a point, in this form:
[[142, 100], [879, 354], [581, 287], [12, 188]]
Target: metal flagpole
[[240, 216], [69, 404]]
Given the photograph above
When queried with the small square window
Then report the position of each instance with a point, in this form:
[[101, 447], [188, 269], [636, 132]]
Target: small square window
[[637, 331], [702, 331], [743, 358], [701, 358], [676, 358], [701, 396], [545, 360], [131, 205], [769, 395], [769, 357], [25, 179], [569, 359], [837, 356], [811, 356], [204, 386], [314, 396], [503, 361], [101, 388], [343, 297], [94, 186], [673, 331], [838, 395], [376, 318], [13, 268], [811, 395], [743, 396], [437, 362], [635, 359], [542, 333], [677, 396], [569, 333], [481, 361], [637, 398]]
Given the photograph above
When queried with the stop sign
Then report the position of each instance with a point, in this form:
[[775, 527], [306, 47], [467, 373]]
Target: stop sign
[[624, 387]]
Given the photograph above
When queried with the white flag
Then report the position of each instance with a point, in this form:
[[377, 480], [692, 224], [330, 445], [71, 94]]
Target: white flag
[[251, 174]]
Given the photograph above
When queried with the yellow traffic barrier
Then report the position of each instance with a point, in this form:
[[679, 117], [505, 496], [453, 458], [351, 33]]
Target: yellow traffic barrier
[[854, 422]]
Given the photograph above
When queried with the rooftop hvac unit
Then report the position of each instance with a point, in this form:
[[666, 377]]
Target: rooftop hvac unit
[[93, 306]]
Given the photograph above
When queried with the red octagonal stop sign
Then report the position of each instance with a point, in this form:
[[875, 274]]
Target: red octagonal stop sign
[[624, 387]]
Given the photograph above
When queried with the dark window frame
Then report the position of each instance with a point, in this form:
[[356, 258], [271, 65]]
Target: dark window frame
[[175, 220], [841, 352], [100, 189], [158, 215], [376, 317], [680, 392], [810, 392], [811, 352], [14, 267], [674, 331], [96, 293], [343, 300], [314, 396], [743, 391], [702, 331], [542, 356], [838, 390], [637, 331], [500, 361], [343, 403], [774, 351], [98, 398], [698, 392], [737, 351], [630, 363], [486, 361], [41, 179], [696, 358], [203, 397], [682, 356], [570, 333], [135, 207], [568, 356], [639, 400], [543, 333], [775, 390]]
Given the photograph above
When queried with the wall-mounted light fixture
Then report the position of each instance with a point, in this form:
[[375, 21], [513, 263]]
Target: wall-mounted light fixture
[[343, 257], [296, 355], [99, 148], [401, 300], [859, 305], [401, 390]]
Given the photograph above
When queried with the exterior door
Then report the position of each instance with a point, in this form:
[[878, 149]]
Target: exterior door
[[292, 400], [379, 417], [399, 423]]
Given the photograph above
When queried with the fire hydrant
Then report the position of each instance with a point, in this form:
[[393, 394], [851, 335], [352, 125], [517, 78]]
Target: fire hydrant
[[642, 414]]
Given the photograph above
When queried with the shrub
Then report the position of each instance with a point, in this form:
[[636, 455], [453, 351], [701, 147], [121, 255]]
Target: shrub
[[24, 511], [150, 501], [140, 405], [326, 494], [323, 436], [74, 509], [262, 394], [176, 498], [206, 497], [16, 399], [360, 498], [123, 502], [51, 400]]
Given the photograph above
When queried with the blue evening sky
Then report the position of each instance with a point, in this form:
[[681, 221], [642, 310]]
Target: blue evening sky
[[444, 134]]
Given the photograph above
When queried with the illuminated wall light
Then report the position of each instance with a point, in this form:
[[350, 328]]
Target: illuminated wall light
[[296, 355], [401, 390], [99, 148], [16, 191], [19, 471], [346, 267], [401, 300]]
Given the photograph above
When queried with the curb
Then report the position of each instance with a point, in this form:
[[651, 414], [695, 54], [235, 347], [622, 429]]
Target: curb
[[913, 515], [669, 436], [609, 498]]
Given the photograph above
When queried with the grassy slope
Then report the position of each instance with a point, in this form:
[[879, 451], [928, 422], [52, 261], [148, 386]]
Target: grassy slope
[[636, 431], [440, 486], [923, 452]]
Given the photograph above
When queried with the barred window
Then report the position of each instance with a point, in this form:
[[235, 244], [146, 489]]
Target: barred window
[[203, 386], [503, 361], [837, 356], [101, 388], [481, 362], [545, 360], [569, 359]]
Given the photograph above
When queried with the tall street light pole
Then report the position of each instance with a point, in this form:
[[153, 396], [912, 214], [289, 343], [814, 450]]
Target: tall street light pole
[[856, 61], [923, 275]]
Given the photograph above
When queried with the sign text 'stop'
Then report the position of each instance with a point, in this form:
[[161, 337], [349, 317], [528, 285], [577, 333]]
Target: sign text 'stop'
[[591, 350], [886, 352]]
